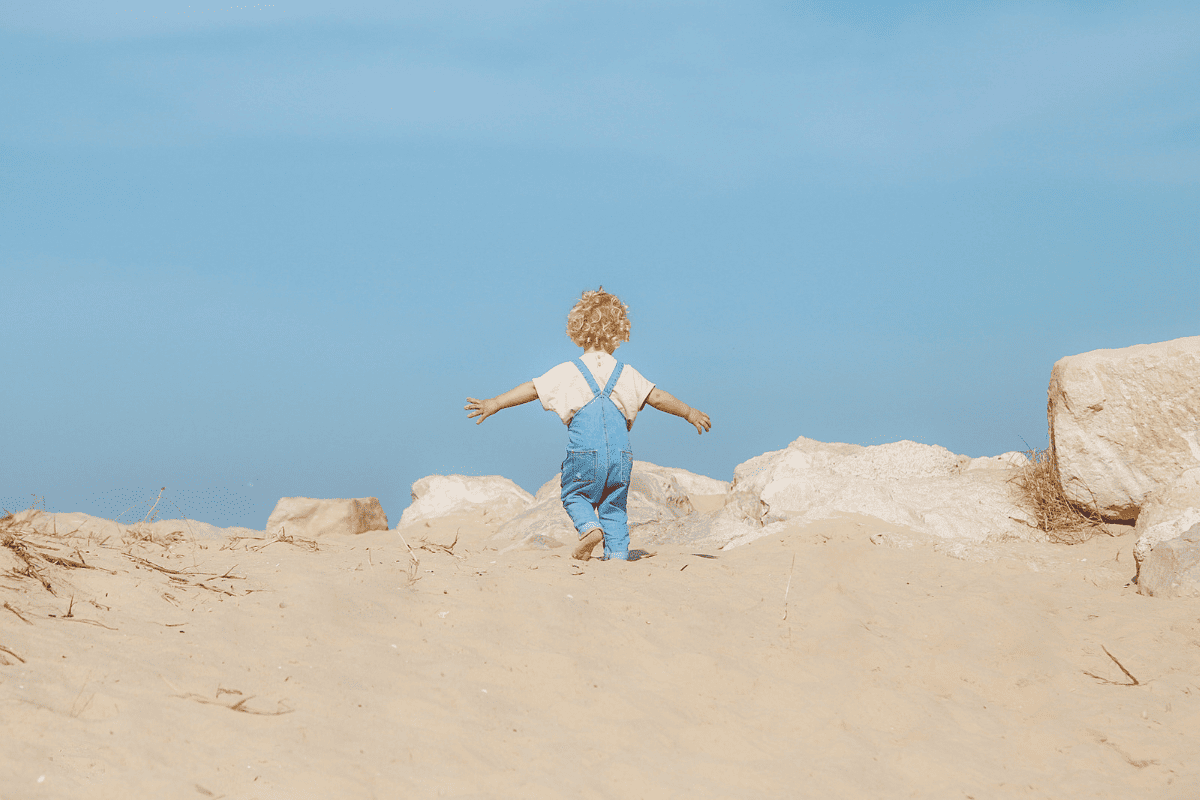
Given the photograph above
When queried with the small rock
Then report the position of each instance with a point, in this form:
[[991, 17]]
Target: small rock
[[1172, 569], [441, 495], [310, 518], [1167, 513]]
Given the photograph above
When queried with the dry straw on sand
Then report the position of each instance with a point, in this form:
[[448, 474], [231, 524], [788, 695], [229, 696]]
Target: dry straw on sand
[[1039, 488]]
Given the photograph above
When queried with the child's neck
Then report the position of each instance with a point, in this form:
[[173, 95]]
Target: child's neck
[[591, 350]]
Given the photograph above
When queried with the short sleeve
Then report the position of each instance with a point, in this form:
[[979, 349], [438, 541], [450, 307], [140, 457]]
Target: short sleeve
[[558, 392], [632, 391]]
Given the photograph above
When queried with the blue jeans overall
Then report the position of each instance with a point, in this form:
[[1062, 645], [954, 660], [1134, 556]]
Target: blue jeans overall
[[597, 469]]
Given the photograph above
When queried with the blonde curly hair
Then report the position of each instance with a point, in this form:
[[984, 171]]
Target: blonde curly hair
[[599, 319]]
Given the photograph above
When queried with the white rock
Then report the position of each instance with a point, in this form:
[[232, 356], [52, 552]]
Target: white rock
[[1167, 513], [656, 495], [924, 488], [687, 482], [1125, 422], [1009, 460], [541, 526], [1173, 568], [310, 518], [440, 495]]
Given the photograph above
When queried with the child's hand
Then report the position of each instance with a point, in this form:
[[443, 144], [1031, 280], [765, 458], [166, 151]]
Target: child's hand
[[665, 401], [481, 408], [515, 396]]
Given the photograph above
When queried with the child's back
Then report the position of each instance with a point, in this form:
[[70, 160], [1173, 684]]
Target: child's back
[[599, 462]]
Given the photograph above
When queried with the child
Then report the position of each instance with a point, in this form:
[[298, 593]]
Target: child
[[596, 471]]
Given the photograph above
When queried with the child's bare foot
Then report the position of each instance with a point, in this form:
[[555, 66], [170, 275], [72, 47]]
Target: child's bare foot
[[584, 551]]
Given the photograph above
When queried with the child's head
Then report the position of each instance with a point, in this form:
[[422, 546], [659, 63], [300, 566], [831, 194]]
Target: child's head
[[598, 320]]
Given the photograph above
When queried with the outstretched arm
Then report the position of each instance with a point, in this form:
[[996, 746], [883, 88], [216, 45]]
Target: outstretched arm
[[513, 397], [665, 401]]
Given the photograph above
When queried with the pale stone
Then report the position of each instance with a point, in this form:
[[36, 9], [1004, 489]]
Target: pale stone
[[1125, 422], [310, 518], [687, 482], [924, 488], [440, 495], [1172, 569], [1009, 460], [1167, 513], [656, 495]]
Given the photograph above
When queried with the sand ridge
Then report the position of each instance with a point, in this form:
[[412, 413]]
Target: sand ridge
[[275, 669]]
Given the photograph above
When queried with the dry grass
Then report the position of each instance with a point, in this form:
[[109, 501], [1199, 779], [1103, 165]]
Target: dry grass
[[1039, 490], [41, 556], [14, 539]]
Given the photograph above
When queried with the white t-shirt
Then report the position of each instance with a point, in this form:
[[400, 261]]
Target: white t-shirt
[[564, 390]]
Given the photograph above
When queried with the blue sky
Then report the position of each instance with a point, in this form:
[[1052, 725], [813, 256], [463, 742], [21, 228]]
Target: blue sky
[[264, 250]]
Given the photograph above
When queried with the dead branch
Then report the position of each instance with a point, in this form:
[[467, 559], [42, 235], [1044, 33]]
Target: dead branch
[[152, 565], [434, 547], [414, 563], [240, 705], [282, 538], [229, 576], [86, 622], [1133, 681], [789, 586], [18, 613], [11, 653]]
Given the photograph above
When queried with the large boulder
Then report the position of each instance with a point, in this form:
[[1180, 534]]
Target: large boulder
[[924, 488], [1168, 512], [1172, 569], [1125, 422], [656, 495], [310, 518], [441, 495]]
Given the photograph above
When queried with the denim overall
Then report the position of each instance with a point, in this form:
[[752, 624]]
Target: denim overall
[[598, 466]]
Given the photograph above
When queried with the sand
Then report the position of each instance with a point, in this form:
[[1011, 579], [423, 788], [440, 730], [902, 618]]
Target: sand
[[813, 664]]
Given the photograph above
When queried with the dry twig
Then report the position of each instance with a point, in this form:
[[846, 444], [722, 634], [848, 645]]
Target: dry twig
[[282, 538], [1133, 681], [97, 623], [434, 547], [18, 613], [414, 562], [281, 707], [4, 661], [789, 586]]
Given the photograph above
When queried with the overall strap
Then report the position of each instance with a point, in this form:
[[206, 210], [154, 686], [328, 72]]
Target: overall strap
[[612, 382], [587, 375]]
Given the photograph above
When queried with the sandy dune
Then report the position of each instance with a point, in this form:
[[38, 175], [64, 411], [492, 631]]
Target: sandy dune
[[814, 664]]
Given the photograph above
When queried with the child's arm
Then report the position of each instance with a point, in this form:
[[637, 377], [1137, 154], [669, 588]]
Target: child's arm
[[483, 409], [665, 401]]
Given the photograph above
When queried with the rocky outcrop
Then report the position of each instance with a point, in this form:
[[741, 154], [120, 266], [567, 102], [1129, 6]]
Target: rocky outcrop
[[921, 489], [440, 495], [1172, 569], [656, 495], [1168, 512], [924, 488], [1125, 422], [311, 518], [1003, 461]]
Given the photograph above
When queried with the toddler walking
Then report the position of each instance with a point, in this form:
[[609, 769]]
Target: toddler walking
[[596, 471]]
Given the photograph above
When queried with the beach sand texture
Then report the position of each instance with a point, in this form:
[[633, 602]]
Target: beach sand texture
[[813, 663]]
